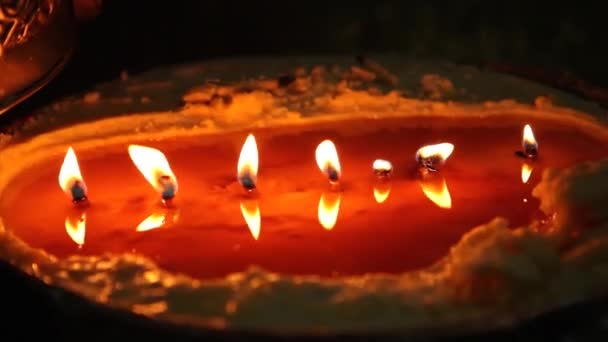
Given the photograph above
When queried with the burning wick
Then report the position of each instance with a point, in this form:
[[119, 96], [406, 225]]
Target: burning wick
[[169, 187], [382, 168], [70, 178], [529, 144], [247, 168], [432, 157], [154, 166], [78, 191], [328, 161]]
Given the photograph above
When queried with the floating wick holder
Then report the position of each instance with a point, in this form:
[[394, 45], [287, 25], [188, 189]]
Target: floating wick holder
[[333, 175], [168, 187], [247, 183], [529, 152], [78, 191]]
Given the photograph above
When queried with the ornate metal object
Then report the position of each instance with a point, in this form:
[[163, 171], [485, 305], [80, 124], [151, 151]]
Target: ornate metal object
[[20, 19], [36, 39]]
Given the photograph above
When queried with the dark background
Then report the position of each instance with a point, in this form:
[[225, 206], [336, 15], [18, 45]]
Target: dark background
[[559, 44], [137, 35]]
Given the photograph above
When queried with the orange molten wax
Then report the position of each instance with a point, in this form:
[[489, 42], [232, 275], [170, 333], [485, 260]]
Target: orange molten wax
[[209, 237]]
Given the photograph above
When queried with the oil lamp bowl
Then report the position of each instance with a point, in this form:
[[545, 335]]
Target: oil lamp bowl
[[150, 301]]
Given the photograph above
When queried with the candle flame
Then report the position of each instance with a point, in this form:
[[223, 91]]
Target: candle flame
[[382, 166], [251, 214], [328, 161], [442, 151], [381, 191], [70, 175], [75, 226], [247, 168], [528, 138], [436, 189], [329, 207], [156, 220], [154, 166], [526, 172]]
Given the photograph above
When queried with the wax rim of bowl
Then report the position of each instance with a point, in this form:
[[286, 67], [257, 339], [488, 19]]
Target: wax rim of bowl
[[147, 287]]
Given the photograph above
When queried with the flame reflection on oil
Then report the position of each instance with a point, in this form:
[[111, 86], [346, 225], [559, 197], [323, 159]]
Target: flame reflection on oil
[[329, 207], [75, 226], [436, 189], [381, 191], [251, 213], [158, 219]]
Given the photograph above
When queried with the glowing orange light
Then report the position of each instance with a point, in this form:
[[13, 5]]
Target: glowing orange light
[[247, 168], [75, 226], [154, 166], [329, 207], [436, 189], [328, 161], [381, 191], [526, 172], [251, 214], [70, 178]]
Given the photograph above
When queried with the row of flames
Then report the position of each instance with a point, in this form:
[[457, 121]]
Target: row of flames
[[155, 168]]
